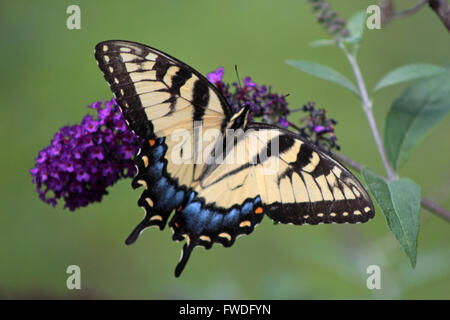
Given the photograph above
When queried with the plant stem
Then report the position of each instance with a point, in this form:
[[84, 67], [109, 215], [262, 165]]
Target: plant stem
[[431, 206], [367, 107], [412, 10], [426, 203], [442, 9]]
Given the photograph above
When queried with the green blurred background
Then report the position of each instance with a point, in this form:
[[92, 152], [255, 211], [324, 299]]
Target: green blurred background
[[49, 75]]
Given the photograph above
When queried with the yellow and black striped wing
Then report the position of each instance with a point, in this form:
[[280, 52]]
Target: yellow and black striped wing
[[159, 95], [267, 170], [297, 183]]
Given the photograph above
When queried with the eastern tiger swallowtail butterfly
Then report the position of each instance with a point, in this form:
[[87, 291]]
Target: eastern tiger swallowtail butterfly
[[215, 202]]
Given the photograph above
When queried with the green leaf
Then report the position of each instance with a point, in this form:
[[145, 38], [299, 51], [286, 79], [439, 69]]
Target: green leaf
[[408, 72], [400, 202], [356, 25], [420, 107], [323, 72], [352, 40], [322, 43]]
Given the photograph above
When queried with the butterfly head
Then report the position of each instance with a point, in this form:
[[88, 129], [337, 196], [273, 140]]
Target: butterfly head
[[240, 119]]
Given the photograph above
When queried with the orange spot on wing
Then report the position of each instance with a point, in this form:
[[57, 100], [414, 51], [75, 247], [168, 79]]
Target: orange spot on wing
[[151, 142], [259, 210], [179, 208]]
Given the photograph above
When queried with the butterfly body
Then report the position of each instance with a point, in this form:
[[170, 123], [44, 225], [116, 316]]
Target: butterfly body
[[223, 189]]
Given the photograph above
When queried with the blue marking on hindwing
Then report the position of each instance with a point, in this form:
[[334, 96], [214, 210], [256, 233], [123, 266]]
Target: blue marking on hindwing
[[232, 217], [155, 171], [200, 219], [157, 152]]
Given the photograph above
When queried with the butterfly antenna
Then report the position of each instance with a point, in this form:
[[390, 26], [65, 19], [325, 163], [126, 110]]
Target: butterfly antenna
[[237, 75], [239, 81]]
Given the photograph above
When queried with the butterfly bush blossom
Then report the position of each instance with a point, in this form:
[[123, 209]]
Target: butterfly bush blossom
[[318, 128], [271, 107], [83, 160]]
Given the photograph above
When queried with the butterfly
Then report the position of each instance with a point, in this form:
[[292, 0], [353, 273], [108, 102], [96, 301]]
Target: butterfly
[[279, 173]]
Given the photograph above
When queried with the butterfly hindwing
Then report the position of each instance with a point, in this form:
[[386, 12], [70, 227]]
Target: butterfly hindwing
[[313, 187], [161, 195], [203, 224]]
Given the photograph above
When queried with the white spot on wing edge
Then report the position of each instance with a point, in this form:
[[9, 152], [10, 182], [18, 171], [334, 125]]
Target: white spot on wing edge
[[188, 240], [245, 223], [150, 203], [205, 238], [225, 235], [143, 183]]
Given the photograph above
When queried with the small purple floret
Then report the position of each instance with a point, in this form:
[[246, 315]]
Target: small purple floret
[[215, 76]]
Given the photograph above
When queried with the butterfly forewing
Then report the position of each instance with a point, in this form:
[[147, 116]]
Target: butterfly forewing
[[163, 97], [156, 92]]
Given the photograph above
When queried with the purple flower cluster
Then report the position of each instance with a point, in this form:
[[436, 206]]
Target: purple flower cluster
[[270, 107], [318, 128], [84, 159]]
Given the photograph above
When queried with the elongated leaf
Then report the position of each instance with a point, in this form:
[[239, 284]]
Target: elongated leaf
[[421, 106], [322, 42], [352, 39], [400, 202], [408, 72], [323, 72]]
